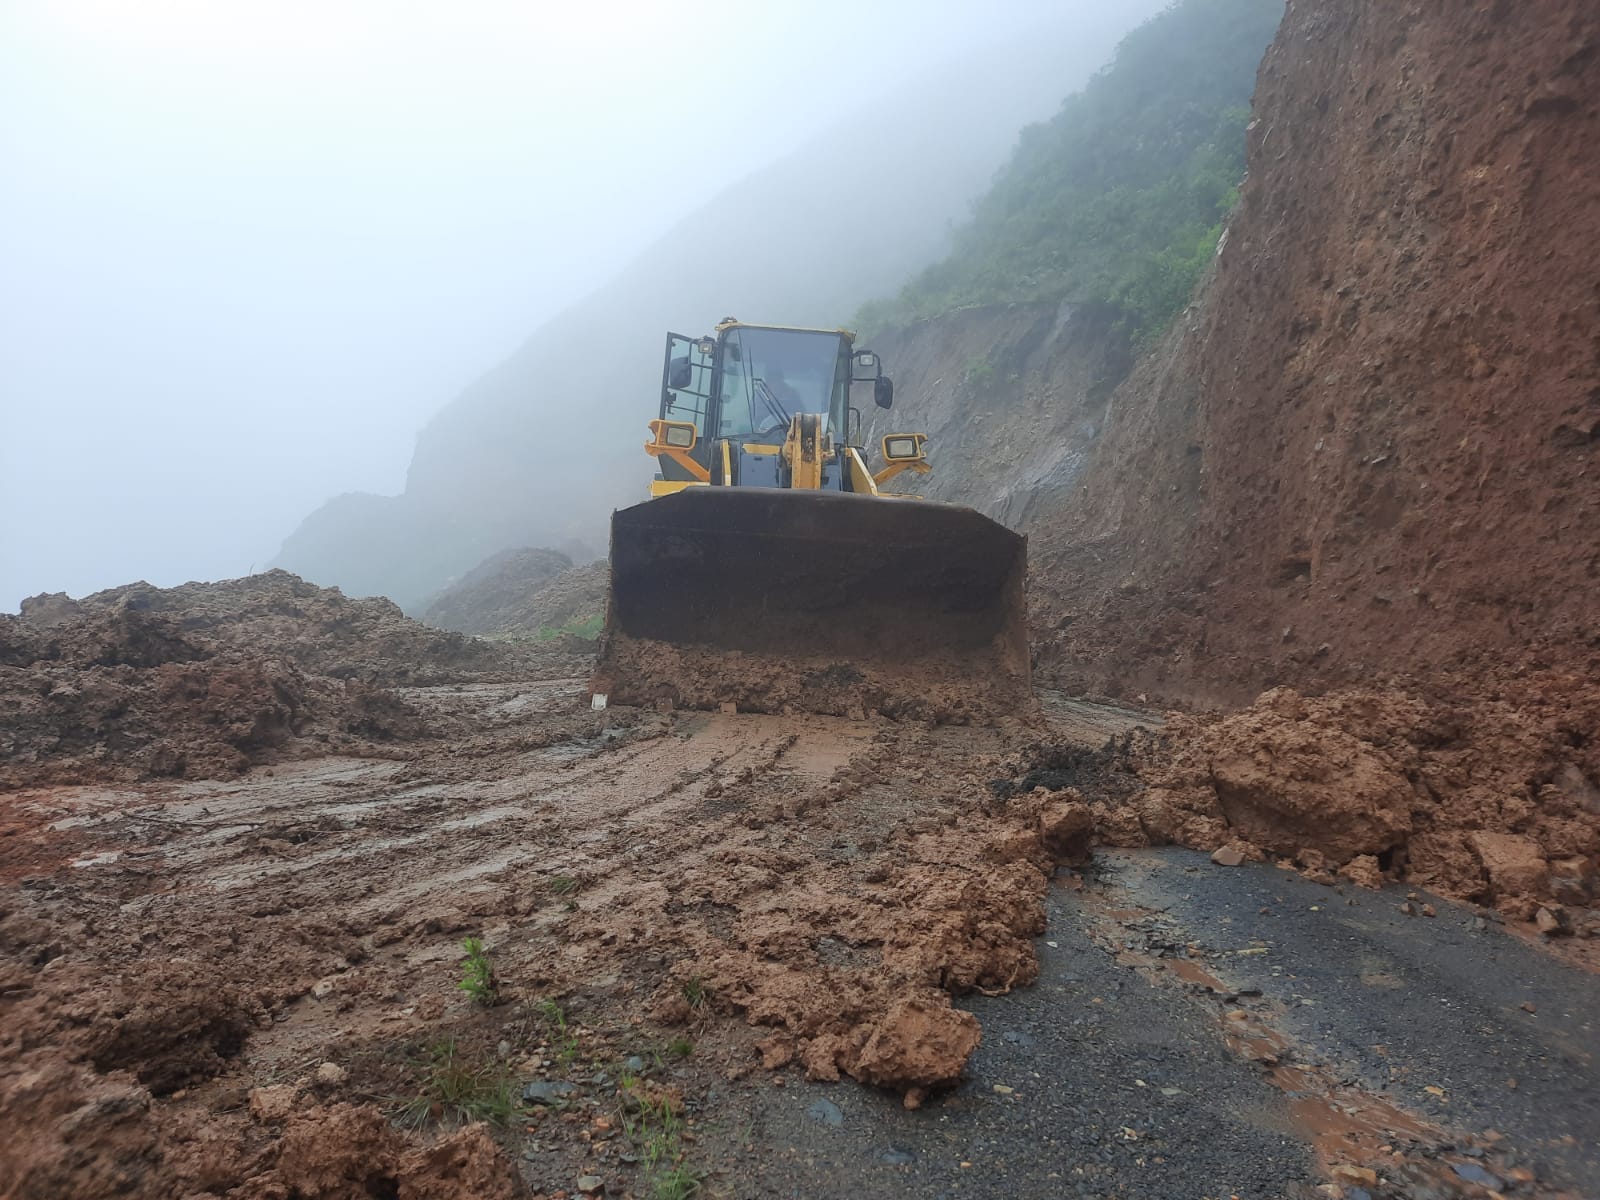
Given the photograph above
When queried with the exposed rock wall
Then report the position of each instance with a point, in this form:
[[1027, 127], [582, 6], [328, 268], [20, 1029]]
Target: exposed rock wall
[[1011, 398]]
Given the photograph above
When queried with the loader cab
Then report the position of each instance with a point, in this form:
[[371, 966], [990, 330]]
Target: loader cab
[[747, 381], [728, 401]]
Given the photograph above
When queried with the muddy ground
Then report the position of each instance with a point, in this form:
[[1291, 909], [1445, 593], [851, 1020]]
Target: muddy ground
[[410, 917], [252, 985]]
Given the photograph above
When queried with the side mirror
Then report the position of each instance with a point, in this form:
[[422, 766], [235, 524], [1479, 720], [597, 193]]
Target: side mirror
[[904, 447], [883, 391], [680, 373], [865, 367]]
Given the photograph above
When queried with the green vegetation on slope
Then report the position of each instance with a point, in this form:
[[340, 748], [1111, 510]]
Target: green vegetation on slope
[[1117, 200]]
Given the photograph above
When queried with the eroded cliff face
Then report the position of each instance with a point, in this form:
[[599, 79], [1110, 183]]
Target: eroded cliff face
[[1371, 448], [1012, 399]]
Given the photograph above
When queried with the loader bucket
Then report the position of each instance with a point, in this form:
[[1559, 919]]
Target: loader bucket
[[776, 600]]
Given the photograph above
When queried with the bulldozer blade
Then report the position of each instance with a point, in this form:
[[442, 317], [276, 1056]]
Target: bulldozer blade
[[776, 599]]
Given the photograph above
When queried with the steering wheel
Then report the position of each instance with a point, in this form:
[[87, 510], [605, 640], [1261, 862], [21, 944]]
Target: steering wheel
[[774, 434]]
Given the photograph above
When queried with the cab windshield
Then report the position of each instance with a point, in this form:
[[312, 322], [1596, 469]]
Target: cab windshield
[[768, 375]]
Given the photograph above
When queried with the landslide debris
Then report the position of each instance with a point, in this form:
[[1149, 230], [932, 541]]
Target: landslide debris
[[508, 594], [1492, 801], [208, 678]]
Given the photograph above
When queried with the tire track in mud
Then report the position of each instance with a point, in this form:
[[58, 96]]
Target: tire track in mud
[[830, 880]]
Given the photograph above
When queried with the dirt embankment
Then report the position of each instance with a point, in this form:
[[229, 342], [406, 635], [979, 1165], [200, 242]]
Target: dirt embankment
[[520, 592], [1370, 447], [1494, 803], [206, 679]]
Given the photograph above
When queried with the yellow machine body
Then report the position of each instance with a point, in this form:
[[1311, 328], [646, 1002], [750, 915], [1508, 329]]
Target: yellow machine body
[[771, 568]]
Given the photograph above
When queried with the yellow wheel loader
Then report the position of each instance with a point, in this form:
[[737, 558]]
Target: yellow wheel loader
[[772, 570]]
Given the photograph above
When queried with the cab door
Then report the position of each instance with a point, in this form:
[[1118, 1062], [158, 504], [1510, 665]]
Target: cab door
[[686, 394]]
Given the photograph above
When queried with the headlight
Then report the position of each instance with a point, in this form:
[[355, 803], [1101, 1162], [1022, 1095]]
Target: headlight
[[901, 446], [680, 437]]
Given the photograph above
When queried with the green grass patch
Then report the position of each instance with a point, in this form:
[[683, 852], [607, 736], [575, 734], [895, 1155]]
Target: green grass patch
[[454, 1088], [696, 992], [477, 974], [587, 628], [655, 1125], [1116, 203]]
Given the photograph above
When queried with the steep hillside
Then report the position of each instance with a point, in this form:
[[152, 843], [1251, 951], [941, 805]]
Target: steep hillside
[[1090, 241], [523, 594], [1114, 203], [1371, 447], [1368, 449], [543, 447]]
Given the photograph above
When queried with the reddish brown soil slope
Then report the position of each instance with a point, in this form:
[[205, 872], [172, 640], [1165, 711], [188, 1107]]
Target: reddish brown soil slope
[[1371, 448]]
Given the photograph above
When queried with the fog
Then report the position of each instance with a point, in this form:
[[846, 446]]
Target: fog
[[248, 249]]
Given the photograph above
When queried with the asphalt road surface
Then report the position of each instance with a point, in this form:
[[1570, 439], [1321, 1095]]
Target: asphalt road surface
[[1201, 1031]]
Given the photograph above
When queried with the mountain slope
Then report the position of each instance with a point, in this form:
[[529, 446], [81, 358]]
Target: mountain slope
[[1115, 201], [541, 448], [1090, 240]]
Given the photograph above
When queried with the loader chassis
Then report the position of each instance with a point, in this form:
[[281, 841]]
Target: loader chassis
[[772, 570]]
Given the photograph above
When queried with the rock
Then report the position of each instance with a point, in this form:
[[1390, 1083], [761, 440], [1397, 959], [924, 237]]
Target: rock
[[1514, 864], [1363, 871], [1227, 856], [1528, 1006], [1064, 829], [1359, 1176], [323, 988], [547, 1091], [825, 1112], [591, 1185], [274, 1102], [331, 1074], [1575, 785], [1408, 909], [1572, 880], [1284, 785], [1552, 921], [1473, 1173], [1429, 911], [897, 1157]]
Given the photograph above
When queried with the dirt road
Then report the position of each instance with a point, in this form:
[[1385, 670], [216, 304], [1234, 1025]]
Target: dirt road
[[252, 987]]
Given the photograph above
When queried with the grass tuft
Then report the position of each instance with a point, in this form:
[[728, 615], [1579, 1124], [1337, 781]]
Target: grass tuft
[[455, 1089], [696, 992], [477, 974]]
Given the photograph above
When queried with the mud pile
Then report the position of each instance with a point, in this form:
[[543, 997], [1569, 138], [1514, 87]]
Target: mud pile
[[848, 963], [206, 679], [573, 597], [495, 596], [320, 630], [1493, 802]]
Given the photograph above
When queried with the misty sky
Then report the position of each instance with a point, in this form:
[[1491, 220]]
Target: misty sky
[[247, 248]]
